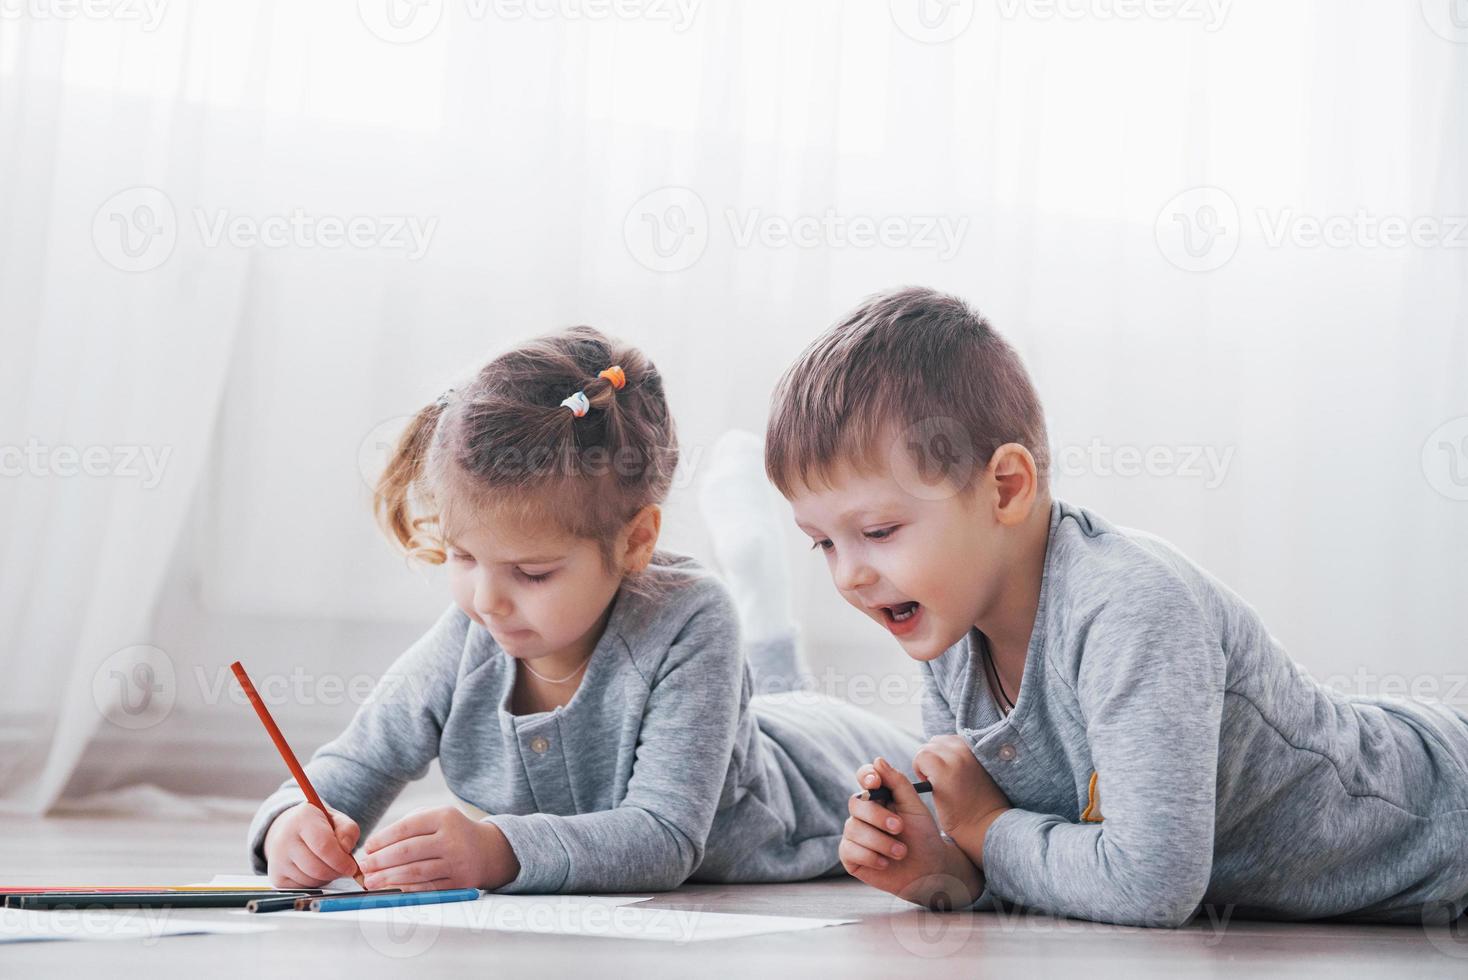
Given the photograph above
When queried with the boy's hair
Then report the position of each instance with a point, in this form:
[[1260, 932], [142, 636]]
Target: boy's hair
[[506, 443], [914, 366]]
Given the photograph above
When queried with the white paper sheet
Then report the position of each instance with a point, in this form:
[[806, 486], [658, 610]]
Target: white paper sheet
[[39, 925], [573, 915], [263, 882]]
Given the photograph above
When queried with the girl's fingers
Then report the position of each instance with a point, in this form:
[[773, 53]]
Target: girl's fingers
[[874, 840], [874, 813], [867, 777], [413, 825], [416, 872], [853, 855], [308, 864], [403, 852], [323, 842]]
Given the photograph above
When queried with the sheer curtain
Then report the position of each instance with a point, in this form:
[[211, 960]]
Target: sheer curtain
[[1132, 200]]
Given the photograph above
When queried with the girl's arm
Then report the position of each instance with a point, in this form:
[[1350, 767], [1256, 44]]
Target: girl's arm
[[390, 741], [1150, 686], [655, 837]]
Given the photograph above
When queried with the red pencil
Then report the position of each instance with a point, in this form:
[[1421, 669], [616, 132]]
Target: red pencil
[[285, 751]]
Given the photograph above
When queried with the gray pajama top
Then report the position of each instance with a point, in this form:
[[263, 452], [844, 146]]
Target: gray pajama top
[[662, 767], [1166, 753]]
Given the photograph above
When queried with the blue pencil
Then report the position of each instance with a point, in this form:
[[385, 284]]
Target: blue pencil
[[351, 903]]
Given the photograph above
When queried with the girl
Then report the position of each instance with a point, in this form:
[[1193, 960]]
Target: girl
[[585, 690]]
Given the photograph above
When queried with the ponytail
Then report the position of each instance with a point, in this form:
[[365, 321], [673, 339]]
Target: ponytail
[[392, 500]]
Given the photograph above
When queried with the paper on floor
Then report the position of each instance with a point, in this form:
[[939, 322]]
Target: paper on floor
[[573, 915], [41, 925], [263, 882]]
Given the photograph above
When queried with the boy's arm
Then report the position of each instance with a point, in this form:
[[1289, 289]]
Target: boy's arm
[[656, 836], [1151, 686], [390, 741]]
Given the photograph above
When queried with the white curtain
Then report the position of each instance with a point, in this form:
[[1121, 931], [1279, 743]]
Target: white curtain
[[1130, 198]]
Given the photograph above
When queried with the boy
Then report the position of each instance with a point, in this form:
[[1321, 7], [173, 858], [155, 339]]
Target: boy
[[1115, 734]]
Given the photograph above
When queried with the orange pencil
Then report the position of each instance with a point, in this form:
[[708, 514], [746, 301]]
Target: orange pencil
[[285, 751]]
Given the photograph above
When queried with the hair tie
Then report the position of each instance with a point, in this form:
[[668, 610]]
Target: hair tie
[[443, 399], [578, 403], [616, 376]]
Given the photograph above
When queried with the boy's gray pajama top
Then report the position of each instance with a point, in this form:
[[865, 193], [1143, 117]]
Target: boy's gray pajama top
[[662, 767], [1165, 752]]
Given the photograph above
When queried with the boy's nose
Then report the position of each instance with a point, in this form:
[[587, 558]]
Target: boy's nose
[[853, 573]]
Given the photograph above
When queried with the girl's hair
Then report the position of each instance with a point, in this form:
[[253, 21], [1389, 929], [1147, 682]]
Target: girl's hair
[[507, 444]]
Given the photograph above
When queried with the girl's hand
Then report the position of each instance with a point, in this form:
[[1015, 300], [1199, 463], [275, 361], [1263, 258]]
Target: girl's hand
[[964, 794], [303, 851], [439, 848], [899, 849]]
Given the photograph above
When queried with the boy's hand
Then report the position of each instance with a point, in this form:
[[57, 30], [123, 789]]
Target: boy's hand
[[899, 849], [302, 850], [439, 848], [964, 794]]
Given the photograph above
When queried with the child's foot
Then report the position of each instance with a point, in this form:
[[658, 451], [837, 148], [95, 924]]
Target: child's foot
[[744, 517]]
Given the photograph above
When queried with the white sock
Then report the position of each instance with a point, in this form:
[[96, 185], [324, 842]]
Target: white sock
[[745, 518]]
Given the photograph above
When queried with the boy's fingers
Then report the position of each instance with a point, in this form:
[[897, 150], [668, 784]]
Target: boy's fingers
[[904, 797], [853, 854], [347, 830], [874, 840], [874, 813], [867, 777]]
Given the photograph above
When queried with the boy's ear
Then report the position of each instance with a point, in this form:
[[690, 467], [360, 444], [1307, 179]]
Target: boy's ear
[[1017, 482], [641, 538]]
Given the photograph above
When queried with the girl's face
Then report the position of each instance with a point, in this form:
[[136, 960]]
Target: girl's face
[[541, 593]]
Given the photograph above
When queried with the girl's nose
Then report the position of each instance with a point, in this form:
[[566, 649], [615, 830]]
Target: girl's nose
[[491, 603]]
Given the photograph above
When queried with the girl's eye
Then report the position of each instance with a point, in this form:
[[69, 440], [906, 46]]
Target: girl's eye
[[460, 556], [824, 544], [882, 533], [527, 577]]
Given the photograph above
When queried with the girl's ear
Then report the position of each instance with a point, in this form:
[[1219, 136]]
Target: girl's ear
[[640, 538]]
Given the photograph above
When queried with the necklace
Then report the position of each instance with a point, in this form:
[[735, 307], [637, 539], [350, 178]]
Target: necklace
[[555, 680], [1007, 706]]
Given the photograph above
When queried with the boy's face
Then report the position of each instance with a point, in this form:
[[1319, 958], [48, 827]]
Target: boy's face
[[923, 567]]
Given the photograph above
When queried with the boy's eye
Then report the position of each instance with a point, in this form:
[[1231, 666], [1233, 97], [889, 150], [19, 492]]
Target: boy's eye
[[824, 544], [527, 577], [882, 533]]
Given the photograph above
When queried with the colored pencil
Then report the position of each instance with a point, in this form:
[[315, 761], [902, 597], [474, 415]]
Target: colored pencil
[[288, 903], [353, 903], [138, 900], [285, 753]]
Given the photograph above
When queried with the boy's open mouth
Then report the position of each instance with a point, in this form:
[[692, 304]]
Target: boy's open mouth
[[901, 612], [902, 618]]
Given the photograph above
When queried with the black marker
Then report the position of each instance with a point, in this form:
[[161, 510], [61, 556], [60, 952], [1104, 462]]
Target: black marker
[[883, 795]]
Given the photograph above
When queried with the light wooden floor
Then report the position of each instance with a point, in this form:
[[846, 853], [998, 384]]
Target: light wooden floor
[[891, 939]]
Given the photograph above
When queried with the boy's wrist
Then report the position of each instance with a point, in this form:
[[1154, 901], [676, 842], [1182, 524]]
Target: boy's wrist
[[501, 866], [970, 834]]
